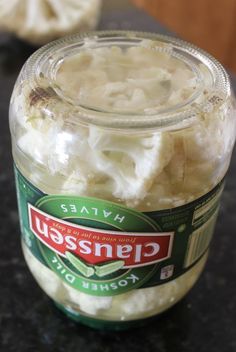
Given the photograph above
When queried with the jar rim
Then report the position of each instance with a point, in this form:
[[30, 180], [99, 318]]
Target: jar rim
[[183, 113]]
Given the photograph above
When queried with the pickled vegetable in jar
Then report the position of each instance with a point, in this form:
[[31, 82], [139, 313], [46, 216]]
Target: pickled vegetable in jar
[[121, 143]]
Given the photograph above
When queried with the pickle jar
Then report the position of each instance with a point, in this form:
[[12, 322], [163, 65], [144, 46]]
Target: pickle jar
[[121, 143]]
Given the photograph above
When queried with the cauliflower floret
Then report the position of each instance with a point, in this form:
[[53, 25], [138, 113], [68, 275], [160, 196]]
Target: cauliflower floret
[[137, 303], [164, 169], [75, 184], [40, 21], [87, 303], [132, 79], [55, 288], [46, 278], [218, 126], [131, 162], [36, 145]]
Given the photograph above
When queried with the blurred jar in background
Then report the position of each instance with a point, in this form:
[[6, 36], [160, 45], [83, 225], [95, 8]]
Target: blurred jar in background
[[41, 21]]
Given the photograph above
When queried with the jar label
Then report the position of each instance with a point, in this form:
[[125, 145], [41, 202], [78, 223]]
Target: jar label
[[103, 248]]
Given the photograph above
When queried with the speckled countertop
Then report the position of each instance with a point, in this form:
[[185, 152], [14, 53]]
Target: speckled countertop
[[205, 321]]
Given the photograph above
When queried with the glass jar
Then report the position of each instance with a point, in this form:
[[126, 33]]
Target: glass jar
[[121, 142]]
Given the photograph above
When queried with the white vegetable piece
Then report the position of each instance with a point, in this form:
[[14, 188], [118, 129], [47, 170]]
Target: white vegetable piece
[[136, 80], [126, 166], [131, 162], [54, 287], [40, 21], [47, 279], [88, 304], [162, 169]]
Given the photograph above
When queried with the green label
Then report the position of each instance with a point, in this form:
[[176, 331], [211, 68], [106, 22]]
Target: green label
[[104, 249]]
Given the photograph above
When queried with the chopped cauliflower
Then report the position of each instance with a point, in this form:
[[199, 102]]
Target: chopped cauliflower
[[88, 304], [54, 287], [111, 79], [164, 168], [136, 304], [131, 162]]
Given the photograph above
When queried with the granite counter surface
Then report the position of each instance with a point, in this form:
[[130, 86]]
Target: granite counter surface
[[205, 321]]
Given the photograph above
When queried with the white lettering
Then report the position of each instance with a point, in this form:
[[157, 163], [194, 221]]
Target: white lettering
[[118, 218], [95, 211], [94, 287], [70, 278], [41, 227], [57, 236], [73, 208], [123, 250], [59, 266], [106, 213], [122, 283], [85, 284], [98, 250], [54, 259], [138, 253], [85, 245], [133, 278], [104, 287], [155, 248], [70, 242], [84, 210], [64, 208]]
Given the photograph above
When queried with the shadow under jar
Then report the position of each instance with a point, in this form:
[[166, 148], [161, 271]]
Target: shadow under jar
[[121, 142]]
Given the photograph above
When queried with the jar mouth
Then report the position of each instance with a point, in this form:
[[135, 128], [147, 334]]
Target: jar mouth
[[49, 60]]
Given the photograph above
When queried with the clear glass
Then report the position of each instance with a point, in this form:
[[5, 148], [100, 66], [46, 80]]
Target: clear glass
[[152, 128]]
